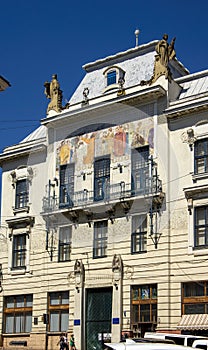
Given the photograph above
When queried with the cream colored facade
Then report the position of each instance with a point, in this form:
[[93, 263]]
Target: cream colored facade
[[104, 208]]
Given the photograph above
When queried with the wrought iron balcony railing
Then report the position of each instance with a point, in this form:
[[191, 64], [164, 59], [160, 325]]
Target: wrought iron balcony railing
[[109, 192]]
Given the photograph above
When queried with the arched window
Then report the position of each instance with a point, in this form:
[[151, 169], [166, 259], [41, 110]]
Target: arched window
[[112, 75]]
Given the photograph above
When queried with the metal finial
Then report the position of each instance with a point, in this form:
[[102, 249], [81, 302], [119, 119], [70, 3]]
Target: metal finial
[[137, 31]]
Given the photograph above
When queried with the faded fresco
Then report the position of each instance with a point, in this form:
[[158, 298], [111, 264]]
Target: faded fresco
[[116, 141]]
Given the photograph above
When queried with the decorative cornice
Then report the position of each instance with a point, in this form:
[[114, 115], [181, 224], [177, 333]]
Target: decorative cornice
[[23, 221], [20, 151], [187, 107], [142, 95], [196, 191]]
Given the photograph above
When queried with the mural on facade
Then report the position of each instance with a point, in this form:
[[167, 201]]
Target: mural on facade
[[116, 141]]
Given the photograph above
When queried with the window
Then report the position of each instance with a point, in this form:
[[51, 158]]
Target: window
[[18, 314], [144, 303], [139, 234], [111, 77], [201, 156], [64, 243], [102, 179], [201, 227], [58, 311], [140, 170], [22, 194], [19, 251], [195, 297], [100, 239], [66, 185]]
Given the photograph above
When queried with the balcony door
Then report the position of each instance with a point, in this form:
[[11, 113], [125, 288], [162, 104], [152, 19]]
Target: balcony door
[[102, 179], [140, 170], [66, 185]]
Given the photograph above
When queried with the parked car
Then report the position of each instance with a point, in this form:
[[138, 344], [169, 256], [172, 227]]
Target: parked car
[[180, 339], [130, 344]]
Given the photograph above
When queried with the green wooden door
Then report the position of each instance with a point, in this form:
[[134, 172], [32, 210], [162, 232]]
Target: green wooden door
[[98, 317]]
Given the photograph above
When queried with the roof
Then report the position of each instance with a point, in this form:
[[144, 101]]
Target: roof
[[193, 84], [137, 63], [38, 133]]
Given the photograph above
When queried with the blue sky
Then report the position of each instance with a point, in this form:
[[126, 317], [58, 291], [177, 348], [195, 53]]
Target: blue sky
[[42, 37]]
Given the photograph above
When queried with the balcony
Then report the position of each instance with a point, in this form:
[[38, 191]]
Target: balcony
[[108, 193]]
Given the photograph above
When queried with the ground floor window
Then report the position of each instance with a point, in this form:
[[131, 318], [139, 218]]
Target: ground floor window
[[18, 314], [58, 308], [195, 297], [143, 308]]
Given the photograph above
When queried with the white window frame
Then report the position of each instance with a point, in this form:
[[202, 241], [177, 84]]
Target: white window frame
[[120, 73]]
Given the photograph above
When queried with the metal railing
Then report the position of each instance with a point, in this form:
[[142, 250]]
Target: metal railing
[[110, 192]]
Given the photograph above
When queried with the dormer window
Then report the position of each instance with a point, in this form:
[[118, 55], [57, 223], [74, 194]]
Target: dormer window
[[113, 75]]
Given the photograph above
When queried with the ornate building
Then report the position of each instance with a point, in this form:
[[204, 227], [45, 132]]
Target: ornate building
[[104, 207]]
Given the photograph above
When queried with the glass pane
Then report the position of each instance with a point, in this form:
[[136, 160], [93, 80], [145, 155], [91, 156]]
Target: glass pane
[[65, 298], [145, 292], [144, 313], [64, 321], [111, 78], [194, 289], [29, 300], [154, 292], [54, 299], [135, 312], [154, 312], [19, 323], [20, 301], [194, 308], [135, 294], [28, 322], [200, 166], [54, 321], [9, 302], [200, 216], [200, 237], [9, 323]]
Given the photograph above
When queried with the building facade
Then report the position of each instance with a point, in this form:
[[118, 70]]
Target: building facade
[[104, 207]]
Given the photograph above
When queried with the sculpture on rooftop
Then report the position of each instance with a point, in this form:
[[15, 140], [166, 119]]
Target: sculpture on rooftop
[[54, 93], [165, 53]]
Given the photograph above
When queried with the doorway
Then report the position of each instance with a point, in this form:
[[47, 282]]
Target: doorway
[[98, 317]]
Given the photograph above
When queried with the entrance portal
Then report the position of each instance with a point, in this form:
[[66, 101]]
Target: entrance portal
[[98, 317]]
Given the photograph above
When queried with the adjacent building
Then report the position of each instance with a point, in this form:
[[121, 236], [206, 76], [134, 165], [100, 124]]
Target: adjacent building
[[105, 207]]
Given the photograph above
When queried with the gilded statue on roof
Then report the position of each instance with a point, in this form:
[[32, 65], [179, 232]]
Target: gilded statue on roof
[[165, 53], [54, 93]]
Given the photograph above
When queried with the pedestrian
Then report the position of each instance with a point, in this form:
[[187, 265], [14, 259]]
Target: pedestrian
[[61, 341], [72, 343], [66, 345]]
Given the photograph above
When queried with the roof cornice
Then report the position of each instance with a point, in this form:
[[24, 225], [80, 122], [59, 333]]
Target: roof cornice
[[143, 95], [21, 150], [187, 106]]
